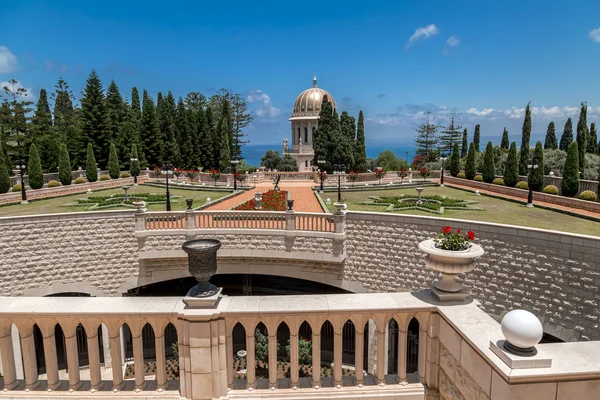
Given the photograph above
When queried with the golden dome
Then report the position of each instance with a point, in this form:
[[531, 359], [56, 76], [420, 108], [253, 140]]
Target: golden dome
[[308, 103]]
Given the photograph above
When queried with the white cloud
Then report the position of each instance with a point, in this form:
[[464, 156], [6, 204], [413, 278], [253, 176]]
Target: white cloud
[[423, 32], [29, 97], [266, 110], [8, 61], [453, 41], [595, 35]]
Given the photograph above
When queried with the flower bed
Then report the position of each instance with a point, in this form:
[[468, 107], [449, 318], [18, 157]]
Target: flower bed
[[434, 204], [271, 201]]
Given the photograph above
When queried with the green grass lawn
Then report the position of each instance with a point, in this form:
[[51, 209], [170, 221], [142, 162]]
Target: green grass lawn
[[56, 205], [496, 210]]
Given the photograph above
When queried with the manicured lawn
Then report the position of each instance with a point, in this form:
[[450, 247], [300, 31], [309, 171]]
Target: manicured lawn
[[496, 210], [56, 205]]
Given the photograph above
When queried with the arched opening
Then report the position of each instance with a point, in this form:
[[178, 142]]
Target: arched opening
[[348, 343], [38, 342], [283, 350], [305, 135], [240, 356], [393, 332], [126, 343], [305, 350], [369, 352], [261, 351], [299, 136], [149, 350], [171, 352], [412, 347], [327, 335]]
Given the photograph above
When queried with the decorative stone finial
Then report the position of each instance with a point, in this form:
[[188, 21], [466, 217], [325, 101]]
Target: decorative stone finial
[[315, 80], [522, 330]]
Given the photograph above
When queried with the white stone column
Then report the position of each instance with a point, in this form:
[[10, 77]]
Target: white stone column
[[138, 359], [117, 361], [51, 358], [294, 373], [8, 358], [29, 360], [402, 348], [94, 357], [251, 359], [72, 358], [381, 356], [337, 355], [272, 358], [359, 353], [161, 364], [316, 357]]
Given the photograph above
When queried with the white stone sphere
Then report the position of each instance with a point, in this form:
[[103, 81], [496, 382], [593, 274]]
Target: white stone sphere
[[522, 329]]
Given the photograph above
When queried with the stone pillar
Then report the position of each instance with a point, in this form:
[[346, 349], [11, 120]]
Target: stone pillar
[[272, 344], [316, 357], [72, 358], [106, 346], [138, 358], [402, 348], [161, 365], [359, 352], [50, 357], [422, 351], [290, 220], [116, 356], [372, 349], [251, 359], [337, 355], [8, 357], [381, 356], [432, 353], [29, 360], [294, 373], [94, 357], [190, 224], [16, 345], [140, 217], [339, 219], [214, 355]]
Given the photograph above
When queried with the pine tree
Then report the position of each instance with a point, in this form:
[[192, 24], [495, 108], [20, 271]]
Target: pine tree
[[167, 111], [113, 162], [34, 168], [489, 168], [134, 166], [65, 124], [567, 137], [184, 128], [526, 135], [226, 113], [360, 151], [570, 181], [64, 165], [15, 110], [537, 177], [91, 171], [470, 171], [505, 142], [477, 137], [116, 112], [582, 134], [93, 118], [135, 117], [450, 135], [150, 133], [455, 161], [202, 139], [4, 177], [208, 139], [43, 135], [241, 119], [465, 144], [225, 153], [427, 139], [511, 167], [323, 134], [592, 146], [551, 141]]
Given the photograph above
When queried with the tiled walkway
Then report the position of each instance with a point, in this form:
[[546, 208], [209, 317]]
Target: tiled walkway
[[300, 191]]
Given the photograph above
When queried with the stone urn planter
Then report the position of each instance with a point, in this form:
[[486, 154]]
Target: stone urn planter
[[202, 264], [450, 263]]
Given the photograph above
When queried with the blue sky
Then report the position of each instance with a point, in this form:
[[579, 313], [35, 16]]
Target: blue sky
[[395, 60]]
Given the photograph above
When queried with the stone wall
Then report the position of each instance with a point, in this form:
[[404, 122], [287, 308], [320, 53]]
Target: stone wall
[[553, 274]]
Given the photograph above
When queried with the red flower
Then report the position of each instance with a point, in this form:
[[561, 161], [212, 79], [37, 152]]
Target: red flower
[[471, 235], [446, 230], [458, 230]]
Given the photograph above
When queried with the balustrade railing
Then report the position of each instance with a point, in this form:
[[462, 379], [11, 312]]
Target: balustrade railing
[[161, 220], [314, 222], [240, 220]]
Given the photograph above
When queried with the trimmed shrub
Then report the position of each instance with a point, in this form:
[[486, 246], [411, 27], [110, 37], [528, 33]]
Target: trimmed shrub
[[478, 178], [134, 166], [522, 185], [470, 163], [588, 195], [79, 180], [498, 181], [91, 173], [104, 178], [537, 177], [53, 183], [34, 169], [511, 167], [64, 165], [489, 167], [113, 162], [16, 188], [551, 189], [125, 175], [455, 160], [461, 175], [570, 182]]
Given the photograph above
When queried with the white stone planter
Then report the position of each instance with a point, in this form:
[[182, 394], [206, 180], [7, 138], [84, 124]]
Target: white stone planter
[[450, 263]]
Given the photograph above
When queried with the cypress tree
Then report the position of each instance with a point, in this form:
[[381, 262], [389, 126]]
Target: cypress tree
[[489, 168], [225, 153], [477, 137], [455, 160], [524, 159], [592, 146], [91, 172], [551, 142], [567, 137], [208, 139], [226, 113], [505, 143], [465, 144], [93, 118], [323, 134], [470, 163], [134, 166], [537, 177], [150, 133], [511, 168], [113, 162], [360, 150], [184, 128], [582, 134], [203, 139], [42, 134], [116, 113], [570, 181], [4, 177], [65, 127], [64, 165], [34, 168], [218, 135], [167, 111]]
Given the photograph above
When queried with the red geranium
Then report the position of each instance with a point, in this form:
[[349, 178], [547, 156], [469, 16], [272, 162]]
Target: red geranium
[[455, 241]]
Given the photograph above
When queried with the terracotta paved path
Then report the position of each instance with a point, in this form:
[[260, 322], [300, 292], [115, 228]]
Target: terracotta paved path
[[300, 191]]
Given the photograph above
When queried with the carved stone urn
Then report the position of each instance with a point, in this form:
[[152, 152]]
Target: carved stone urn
[[450, 263], [202, 264]]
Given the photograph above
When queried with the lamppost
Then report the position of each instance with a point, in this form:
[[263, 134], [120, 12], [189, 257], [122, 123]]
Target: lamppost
[[235, 162], [442, 176], [339, 169], [135, 169], [166, 168], [321, 162], [21, 167], [531, 168]]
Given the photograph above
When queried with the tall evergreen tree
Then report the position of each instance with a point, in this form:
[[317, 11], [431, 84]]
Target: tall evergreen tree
[[201, 139], [511, 167], [465, 144], [592, 146], [567, 137], [537, 177], [570, 181], [427, 139], [167, 113], [470, 170], [489, 168], [150, 132], [4, 177], [504, 144], [34, 168], [43, 134], [525, 138], [116, 113], [93, 118], [65, 125], [210, 147], [582, 134], [450, 135], [226, 113], [551, 141], [134, 166], [16, 109], [91, 171], [477, 138], [241, 119], [348, 135], [455, 161], [360, 150], [113, 162], [322, 136], [184, 127], [225, 153], [64, 165]]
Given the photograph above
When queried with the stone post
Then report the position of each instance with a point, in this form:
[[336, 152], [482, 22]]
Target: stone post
[[140, 217], [290, 220], [190, 224], [339, 221]]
